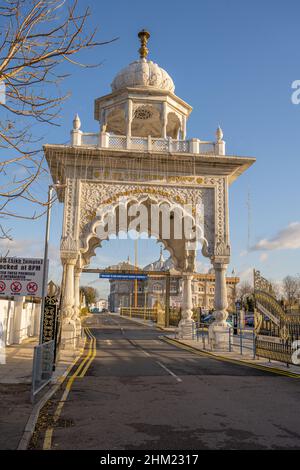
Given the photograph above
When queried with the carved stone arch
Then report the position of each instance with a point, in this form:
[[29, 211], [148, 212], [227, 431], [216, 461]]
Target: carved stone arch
[[183, 256], [146, 121], [116, 121], [173, 125]]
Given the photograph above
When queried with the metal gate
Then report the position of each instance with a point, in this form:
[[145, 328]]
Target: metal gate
[[275, 330], [43, 360]]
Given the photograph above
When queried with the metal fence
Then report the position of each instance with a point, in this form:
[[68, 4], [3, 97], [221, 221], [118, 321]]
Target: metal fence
[[143, 313], [240, 340], [42, 369]]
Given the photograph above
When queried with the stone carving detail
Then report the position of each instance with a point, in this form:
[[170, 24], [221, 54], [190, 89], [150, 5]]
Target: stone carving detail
[[70, 212], [143, 73], [68, 244], [211, 196], [93, 195]]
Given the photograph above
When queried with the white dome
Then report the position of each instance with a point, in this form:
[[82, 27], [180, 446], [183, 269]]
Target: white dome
[[143, 73]]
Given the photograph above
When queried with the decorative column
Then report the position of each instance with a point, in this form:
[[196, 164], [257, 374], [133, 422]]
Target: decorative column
[[76, 133], [185, 327], [219, 329], [76, 316], [164, 120], [68, 327], [220, 144], [129, 114], [183, 128]]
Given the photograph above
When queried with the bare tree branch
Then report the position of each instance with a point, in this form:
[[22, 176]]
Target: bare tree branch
[[36, 37]]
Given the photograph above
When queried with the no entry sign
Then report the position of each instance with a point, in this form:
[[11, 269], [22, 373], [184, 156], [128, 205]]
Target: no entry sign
[[21, 276]]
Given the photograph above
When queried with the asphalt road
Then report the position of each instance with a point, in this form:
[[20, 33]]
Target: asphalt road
[[143, 393]]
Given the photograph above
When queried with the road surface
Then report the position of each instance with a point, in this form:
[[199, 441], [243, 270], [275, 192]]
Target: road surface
[[140, 392]]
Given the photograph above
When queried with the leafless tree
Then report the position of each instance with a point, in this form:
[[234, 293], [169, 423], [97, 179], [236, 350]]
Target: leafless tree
[[291, 289], [276, 289], [244, 288], [35, 38]]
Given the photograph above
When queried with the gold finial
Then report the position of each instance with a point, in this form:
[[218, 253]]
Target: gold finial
[[144, 36]]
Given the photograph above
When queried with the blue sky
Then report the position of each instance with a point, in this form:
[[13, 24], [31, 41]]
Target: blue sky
[[234, 62]]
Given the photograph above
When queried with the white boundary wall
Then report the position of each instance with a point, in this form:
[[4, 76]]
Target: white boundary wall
[[19, 320]]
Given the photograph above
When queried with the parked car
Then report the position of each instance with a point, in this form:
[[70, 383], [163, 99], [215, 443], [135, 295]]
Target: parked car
[[104, 310], [249, 321], [95, 310], [208, 319]]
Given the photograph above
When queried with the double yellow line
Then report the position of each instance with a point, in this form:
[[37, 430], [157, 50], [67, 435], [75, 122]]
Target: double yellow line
[[79, 373]]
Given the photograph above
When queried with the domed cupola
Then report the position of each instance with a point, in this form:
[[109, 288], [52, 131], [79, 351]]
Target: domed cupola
[[142, 102], [143, 72]]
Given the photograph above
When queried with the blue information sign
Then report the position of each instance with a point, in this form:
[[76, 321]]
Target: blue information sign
[[123, 276]]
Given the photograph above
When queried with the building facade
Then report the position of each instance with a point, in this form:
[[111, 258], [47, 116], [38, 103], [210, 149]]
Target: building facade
[[122, 292]]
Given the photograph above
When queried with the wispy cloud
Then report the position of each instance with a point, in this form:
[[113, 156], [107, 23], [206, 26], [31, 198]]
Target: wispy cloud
[[286, 239], [263, 257]]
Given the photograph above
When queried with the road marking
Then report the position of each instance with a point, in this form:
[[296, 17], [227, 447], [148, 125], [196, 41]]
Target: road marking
[[271, 370], [93, 355], [86, 362], [169, 371], [157, 362], [144, 351]]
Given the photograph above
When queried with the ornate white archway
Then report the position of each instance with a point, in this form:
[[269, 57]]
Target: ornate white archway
[[98, 169]]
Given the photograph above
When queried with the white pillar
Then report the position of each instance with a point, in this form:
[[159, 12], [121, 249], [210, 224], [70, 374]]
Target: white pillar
[[185, 327], [128, 123], [183, 130], [76, 133], [221, 302], [104, 139], [32, 320], [129, 118], [220, 144], [219, 329], [76, 316], [194, 145], [37, 319], [164, 120], [76, 291], [68, 327], [17, 323], [220, 148], [68, 298]]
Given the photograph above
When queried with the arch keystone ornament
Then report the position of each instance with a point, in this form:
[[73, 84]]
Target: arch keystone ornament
[[141, 161]]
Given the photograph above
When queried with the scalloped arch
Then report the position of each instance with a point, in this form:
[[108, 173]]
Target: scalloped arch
[[90, 240]]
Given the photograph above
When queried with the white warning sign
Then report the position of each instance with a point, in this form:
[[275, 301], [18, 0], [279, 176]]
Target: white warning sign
[[21, 276]]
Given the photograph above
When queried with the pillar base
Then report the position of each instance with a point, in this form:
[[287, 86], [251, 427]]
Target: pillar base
[[68, 335], [186, 329], [218, 336]]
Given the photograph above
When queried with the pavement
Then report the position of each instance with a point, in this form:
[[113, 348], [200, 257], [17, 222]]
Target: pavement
[[15, 388], [18, 363], [133, 390]]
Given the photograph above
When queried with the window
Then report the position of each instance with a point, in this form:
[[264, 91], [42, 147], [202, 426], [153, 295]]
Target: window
[[157, 287]]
